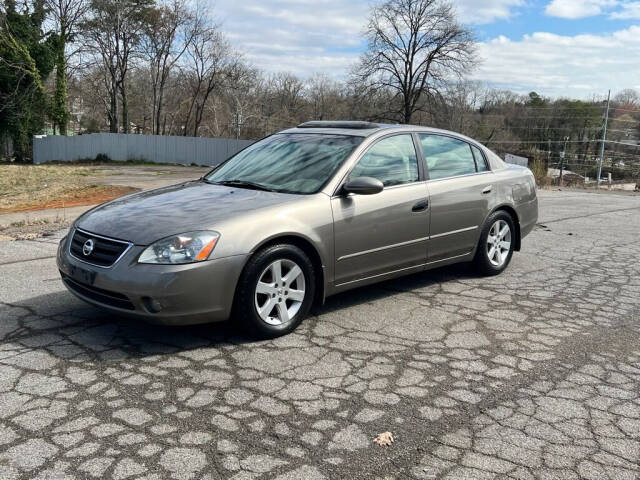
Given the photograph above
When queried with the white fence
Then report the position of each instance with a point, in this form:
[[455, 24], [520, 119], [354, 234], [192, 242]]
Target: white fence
[[152, 148]]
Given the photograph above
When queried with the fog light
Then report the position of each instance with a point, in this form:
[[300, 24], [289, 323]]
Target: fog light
[[151, 304]]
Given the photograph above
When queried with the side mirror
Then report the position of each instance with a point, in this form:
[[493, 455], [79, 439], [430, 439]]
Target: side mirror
[[363, 186]]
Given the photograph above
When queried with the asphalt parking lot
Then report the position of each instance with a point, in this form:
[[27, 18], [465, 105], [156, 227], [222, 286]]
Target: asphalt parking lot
[[531, 374]]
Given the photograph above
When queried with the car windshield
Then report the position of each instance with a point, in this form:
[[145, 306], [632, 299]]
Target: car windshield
[[287, 162]]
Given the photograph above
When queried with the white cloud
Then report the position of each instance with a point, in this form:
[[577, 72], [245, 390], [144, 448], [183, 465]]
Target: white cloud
[[309, 36], [487, 11], [332, 18], [577, 66], [306, 36], [299, 36], [578, 8], [629, 11]]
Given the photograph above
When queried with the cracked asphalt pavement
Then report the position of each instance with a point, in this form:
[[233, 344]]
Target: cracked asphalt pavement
[[531, 374]]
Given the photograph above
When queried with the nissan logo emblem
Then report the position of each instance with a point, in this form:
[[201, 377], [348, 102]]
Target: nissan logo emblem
[[87, 248]]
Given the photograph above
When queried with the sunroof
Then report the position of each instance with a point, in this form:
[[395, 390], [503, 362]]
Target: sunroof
[[357, 125]]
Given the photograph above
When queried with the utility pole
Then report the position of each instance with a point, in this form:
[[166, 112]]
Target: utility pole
[[237, 116], [604, 137], [562, 154], [237, 121]]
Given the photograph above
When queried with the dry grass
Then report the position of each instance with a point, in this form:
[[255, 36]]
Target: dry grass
[[539, 169], [32, 184], [31, 228], [29, 187]]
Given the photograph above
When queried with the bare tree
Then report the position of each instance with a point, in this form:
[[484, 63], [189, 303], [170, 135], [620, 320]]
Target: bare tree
[[241, 96], [455, 108], [282, 100], [89, 87], [168, 32], [114, 32], [414, 48], [210, 63], [628, 96], [286, 92], [325, 96], [67, 16]]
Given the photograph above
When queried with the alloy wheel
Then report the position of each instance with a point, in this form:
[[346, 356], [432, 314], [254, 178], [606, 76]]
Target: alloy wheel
[[498, 243], [280, 292]]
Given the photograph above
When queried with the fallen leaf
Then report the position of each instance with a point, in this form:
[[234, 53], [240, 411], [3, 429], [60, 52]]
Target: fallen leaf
[[384, 439]]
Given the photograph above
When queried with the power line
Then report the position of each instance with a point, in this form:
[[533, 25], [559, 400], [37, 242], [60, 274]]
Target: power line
[[625, 109], [509, 127], [546, 141], [618, 130], [543, 128], [561, 108], [566, 117], [623, 143], [621, 120], [526, 117]]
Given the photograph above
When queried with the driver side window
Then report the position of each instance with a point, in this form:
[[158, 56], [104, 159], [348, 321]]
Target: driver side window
[[392, 160]]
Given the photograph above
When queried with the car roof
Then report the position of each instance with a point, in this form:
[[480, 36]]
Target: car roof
[[364, 129]]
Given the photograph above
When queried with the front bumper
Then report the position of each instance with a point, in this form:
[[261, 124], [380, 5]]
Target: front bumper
[[165, 294]]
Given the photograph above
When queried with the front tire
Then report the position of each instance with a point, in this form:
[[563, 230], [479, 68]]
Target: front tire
[[495, 247], [275, 291]]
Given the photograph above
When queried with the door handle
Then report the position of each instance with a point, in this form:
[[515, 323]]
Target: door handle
[[421, 206], [487, 189]]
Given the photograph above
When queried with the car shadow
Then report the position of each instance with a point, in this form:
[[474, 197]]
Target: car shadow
[[408, 283], [69, 328]]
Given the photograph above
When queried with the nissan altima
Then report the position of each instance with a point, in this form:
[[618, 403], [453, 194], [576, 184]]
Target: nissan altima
[[296, 217]]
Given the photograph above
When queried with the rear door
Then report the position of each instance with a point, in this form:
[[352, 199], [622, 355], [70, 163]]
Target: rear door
[[388, 231], [460, 189]]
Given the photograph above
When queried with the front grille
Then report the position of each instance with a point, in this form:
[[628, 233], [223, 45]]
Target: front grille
[[105, 251], [99, 295]]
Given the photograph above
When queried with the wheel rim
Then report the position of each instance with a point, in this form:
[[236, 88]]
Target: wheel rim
[[280, 292], [498, 243]]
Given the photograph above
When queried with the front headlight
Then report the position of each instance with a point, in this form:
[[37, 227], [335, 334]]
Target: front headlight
[[184, 248]]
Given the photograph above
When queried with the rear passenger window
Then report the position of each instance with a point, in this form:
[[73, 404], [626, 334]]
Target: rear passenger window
[[447, 156], [392, 160], [481, 165]]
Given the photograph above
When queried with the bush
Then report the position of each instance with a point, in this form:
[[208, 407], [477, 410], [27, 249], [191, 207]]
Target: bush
[[539, 169], [101, 157]]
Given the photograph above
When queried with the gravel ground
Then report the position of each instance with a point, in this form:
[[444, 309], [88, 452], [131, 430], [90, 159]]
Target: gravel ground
[[531, 374]]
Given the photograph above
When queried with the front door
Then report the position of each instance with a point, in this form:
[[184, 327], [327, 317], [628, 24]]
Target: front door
[[387, 231]]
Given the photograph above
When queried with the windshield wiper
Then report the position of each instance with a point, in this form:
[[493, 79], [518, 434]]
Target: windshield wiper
[[244, 184]]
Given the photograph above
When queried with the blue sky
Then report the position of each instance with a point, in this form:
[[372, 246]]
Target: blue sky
[[532, 17], [575, 48]]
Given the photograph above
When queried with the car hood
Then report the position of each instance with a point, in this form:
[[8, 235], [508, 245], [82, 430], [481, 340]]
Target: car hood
[[144, 217]]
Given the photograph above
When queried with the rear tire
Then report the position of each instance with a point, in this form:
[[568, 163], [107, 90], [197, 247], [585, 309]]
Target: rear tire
[[495, 247], [275, 291]]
